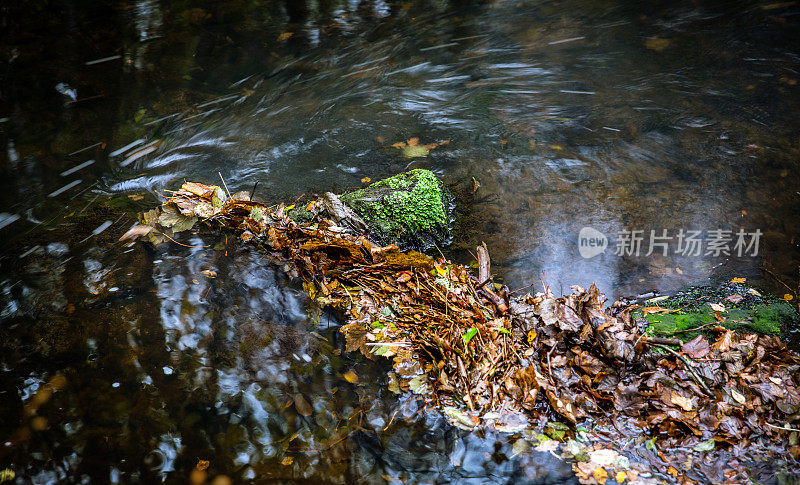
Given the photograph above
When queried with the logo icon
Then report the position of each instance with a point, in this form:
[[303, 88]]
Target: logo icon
[[591, 242]]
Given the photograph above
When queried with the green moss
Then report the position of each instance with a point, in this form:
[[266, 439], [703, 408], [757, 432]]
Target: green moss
[[409, 208]]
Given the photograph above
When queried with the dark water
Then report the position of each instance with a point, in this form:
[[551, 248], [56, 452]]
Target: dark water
[[127, 364]]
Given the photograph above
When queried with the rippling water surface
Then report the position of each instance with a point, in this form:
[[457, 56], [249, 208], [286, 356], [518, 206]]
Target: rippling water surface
[[129, 364]]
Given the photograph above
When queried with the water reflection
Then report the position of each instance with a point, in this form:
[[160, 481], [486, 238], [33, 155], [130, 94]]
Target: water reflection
[[234, 366], [610, 115]]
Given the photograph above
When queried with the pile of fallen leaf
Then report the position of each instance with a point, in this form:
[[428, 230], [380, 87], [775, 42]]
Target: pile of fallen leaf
[[623, 405]]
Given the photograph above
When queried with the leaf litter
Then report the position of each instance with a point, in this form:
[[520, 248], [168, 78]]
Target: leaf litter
[[579, 378]]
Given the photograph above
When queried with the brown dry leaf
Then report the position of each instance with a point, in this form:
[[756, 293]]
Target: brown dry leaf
[[717, 307], [737, 396], [723, 344], [657, 310], [200, 190], [404, 277], [683, 402]]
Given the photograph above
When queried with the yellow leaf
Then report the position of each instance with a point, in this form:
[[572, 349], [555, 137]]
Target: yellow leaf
[[287, 461], [738, 280], [365, 180], [412, 142], [621, 476], [202, 464], [787, 297], [441, 271], [351, 377], [289, 207], [600, 475], [285, 36]]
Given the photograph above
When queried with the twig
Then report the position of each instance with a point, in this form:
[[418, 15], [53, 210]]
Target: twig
[[686, 329], [781, 427], [463, 373], [663, 341], [252, 192], [689, 367], [226, 185]]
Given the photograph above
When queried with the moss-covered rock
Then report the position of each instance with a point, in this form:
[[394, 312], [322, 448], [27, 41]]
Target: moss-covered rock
[[745, 310], [411, 209]]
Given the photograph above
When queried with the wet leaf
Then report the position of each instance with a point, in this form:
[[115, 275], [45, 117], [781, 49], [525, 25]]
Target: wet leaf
[[734, 298], [459, 416], [172, 219], [256, 213], [706, 445], [419, 384], [351, 377], [302, 406], [136, 232], [696, 348], [202, 464], [738, 280]]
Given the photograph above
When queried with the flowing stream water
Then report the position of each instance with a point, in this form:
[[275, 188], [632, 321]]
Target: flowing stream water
[[124, 363]]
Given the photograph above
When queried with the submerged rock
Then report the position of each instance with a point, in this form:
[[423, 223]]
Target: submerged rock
[[742, 309], [411, 209]]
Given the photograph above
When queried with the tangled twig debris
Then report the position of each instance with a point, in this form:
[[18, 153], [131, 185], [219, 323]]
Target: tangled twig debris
[[461, 341]]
